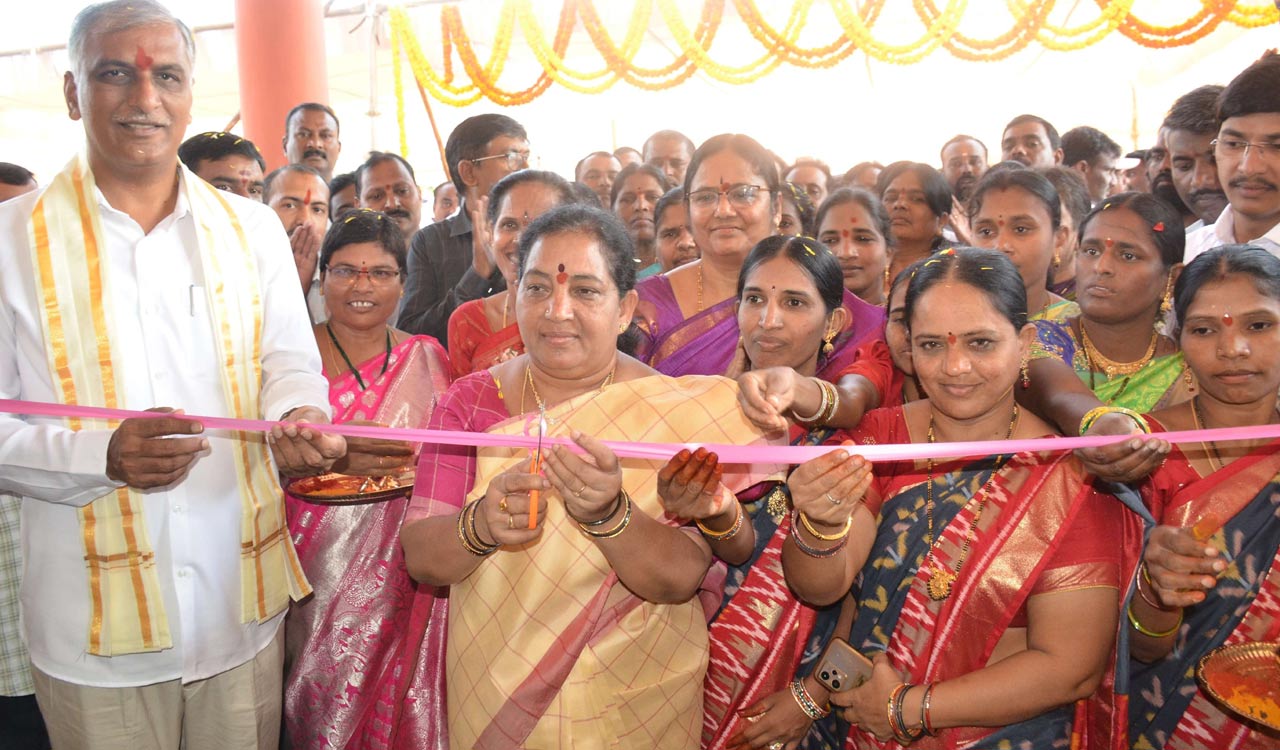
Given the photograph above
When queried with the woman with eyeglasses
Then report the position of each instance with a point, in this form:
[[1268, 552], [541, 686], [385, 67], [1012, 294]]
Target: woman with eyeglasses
[[483, 332], [688, 315], [350, 553]]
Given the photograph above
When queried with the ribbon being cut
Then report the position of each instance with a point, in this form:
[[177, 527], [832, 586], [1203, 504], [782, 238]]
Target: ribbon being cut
[[728, 454]]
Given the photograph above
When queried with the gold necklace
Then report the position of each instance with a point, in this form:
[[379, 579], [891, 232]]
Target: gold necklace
[[942, 579], [537, 397], [1211, 448], [1109, 366]]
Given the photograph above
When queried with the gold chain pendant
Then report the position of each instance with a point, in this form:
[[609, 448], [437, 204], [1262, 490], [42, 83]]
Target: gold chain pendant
[[940, 582]]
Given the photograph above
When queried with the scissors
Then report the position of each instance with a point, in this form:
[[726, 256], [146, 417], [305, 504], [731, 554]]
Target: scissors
[[535, 468]]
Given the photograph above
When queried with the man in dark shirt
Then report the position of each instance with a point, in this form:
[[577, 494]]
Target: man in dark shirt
[[445, 269]]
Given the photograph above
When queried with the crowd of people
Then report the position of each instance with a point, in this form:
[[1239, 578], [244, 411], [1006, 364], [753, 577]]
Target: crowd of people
[[159, 589]]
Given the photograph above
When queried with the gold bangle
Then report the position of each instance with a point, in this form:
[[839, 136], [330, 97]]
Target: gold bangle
[[729, 533], [1133, 620], [804, 521], [470, 539], [822, 405], [1095, 413], [834, 393], [616, 530]]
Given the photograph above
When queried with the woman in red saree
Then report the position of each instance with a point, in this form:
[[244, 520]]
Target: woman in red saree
[[1211, 569], [483, 332], [366, 650], [989, 587]]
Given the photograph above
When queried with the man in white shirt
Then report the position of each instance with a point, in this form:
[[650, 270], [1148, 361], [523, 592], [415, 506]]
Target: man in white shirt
[[157, 564], [1248, 153]]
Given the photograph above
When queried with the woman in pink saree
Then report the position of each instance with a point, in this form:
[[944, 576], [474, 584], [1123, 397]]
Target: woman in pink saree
[[365, 651]]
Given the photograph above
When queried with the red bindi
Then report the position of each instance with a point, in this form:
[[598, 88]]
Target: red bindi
[[561, 277], [844, 232], [1227, 320], [951, 338], [724, 186], [1000, 222], [1109, 242], [854, 220], [306, 199], [142, 59]]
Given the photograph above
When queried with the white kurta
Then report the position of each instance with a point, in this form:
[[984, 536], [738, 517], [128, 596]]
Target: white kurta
[[167, 354]]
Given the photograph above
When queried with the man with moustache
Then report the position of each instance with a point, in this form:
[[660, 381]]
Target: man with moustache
[[1031, 140], [157, 562], [964, 161], [342, 195], [311, 138], [1093, 154], [299, 196], [444, 201], [446, 268], [226, 161], [813, 176], [386, 183], [1248, 153], [598, 170], [669, 151], [1191, 125], [1160, 177]]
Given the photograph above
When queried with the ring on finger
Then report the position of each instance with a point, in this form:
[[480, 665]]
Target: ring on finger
[[511, 522], [502, 505], [578, 491], [778, 745], [834, 500]]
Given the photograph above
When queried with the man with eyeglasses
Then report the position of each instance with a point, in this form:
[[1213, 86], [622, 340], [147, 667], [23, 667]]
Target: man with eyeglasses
[[811, 176], [1247, 150], [445, 267]]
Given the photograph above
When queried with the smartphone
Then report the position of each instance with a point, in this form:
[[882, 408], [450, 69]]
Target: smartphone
[[841, 667]]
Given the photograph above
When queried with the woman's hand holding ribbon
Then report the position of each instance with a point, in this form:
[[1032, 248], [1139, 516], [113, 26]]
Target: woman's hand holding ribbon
[[827, 489], [590, 484]]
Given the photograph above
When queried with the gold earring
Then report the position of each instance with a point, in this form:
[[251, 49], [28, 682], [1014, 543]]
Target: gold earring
[[1057, 258], [1166, 302], [1026, 373], [827, 347]]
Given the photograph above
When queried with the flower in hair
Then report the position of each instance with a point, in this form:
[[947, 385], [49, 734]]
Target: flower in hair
[[1158, 226]]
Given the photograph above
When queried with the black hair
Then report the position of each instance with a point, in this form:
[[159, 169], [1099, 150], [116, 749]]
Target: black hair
[[958, 139], [1195, 111], [12, 174], [470, 139], [578, 167], [670, 198], [269, 182], [669, 135], [341, 182], [1219, 263], [937, 191], [873, 206], [850, 177], [804, 207], [560, 186], [1086, 144], [756, 156], [1055, 140], [585, 194], [216, 145], [1027, 180], [602, 226], [365, 225], [818, 263], [988, 271], [1256, 90], [818, 164], [631, 169], [312, 107], [1072, 191], [374, 159], [1170, 239]]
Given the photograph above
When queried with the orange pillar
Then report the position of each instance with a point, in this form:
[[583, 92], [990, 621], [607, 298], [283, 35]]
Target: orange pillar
[[280, 51]]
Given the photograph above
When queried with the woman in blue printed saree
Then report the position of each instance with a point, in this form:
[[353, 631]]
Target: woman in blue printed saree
[[988, 588], [1211, 569]]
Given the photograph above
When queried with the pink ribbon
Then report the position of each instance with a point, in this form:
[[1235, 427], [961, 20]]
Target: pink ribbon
[[731, 454]]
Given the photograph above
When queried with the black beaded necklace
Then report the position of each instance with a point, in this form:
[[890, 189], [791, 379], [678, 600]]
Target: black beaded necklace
[[385, 360]]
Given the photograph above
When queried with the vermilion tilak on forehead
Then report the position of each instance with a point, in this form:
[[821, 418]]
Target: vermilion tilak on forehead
[[306, 199], [561, 277], [142, 59], [951, 338], [1109, 242], [1227, 320], [844, 232]]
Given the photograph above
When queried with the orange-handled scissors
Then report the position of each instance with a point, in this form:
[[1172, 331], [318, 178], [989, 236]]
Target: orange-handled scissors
[[536, 468]]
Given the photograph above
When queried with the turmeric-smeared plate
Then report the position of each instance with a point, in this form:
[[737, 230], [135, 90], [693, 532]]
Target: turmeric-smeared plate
[[343, 488], [1245, 678]]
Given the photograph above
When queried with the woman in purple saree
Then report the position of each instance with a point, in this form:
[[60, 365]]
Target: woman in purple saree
[[365, 651]]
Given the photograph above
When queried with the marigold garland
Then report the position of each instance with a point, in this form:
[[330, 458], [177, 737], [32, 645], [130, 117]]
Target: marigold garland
[[1030, 22]]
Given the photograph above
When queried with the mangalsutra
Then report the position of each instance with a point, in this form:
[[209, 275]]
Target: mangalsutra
[[941, 579], [1211, 448], [537, 397]]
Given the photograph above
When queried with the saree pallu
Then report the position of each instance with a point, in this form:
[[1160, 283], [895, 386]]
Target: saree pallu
[[706, 343], [1166, 707], [1043, 529], [1164, 381], [546, 647], [474, 345], [762, 633], [366, 650], [1057, 311]]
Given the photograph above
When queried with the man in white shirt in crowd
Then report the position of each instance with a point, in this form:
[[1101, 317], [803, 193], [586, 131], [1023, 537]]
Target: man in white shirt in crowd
[[1248, 153], [300, 197], [158, 566]]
